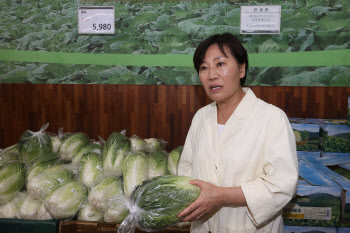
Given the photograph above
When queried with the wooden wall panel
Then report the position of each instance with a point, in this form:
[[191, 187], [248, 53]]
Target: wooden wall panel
[[147, 111], [30, 106]]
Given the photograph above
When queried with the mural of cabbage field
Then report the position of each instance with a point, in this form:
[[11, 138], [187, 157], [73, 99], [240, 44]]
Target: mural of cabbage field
[[169, 27]]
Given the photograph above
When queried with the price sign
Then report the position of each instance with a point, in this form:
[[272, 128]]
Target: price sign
[[96, 19], [260, 19]]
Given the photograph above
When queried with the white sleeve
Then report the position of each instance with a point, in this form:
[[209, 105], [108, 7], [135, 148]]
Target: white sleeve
[[267, 195], [185, 164]]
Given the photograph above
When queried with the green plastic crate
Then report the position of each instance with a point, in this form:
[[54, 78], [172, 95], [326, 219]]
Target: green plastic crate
[[29, 226]]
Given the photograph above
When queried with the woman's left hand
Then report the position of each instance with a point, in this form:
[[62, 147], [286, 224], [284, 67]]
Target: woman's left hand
[[208, 201]]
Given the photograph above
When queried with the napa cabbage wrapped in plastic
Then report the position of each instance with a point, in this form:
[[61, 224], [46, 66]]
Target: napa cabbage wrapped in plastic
[[138, 144], [88, 213], [56, 142], [40, 164], [66, 201], [90, 169], [115, 149], [48, 180], [154, 144], [9, 155], [106, 189], [71, 144], [117, 214], [155, 204], [29, 208], [12, 178], [42, 213], [135, 171], [11, 208], [174, 159], [34, 144], [157, 163], [90, 147]]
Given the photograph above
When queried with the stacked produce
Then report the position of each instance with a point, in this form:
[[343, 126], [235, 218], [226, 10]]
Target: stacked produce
[[68, 175]]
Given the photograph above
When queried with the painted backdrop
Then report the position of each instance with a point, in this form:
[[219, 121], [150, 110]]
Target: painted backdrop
[[155, 40]]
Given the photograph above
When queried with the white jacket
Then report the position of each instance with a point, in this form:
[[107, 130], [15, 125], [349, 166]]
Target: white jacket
[[256, 151]]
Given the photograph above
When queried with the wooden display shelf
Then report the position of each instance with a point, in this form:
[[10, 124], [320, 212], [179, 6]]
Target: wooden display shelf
[[102, 227]]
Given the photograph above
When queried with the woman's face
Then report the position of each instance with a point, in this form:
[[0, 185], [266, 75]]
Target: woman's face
[[220, 74]]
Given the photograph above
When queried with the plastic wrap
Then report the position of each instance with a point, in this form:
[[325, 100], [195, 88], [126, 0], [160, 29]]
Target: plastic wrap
[[155, 204], [33, 144], [88, 213], [138, 144], [29, 208], [154, 144], [11, 208], [42, 213], [9, 155], [107, 188]]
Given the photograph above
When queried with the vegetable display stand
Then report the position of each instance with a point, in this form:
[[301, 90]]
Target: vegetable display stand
[[102, 227], [29, 226]]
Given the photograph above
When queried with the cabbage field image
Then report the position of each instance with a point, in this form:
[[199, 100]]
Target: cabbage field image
[[306, 136], [40, 36], [335, 138]]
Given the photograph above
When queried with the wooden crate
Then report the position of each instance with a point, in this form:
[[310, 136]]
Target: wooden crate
[[102, 227]]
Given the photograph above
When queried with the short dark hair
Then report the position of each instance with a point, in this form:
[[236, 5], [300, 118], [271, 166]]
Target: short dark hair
[[225, 39]]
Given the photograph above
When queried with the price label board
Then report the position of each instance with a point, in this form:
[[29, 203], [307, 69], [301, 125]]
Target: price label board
[[261, 19], [96, 20]]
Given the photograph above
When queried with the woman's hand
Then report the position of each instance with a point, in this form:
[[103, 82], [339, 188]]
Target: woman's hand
[[211, 199], [208, 201]]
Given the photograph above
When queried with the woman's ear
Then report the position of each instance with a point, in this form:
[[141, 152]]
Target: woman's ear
[[242, 71]]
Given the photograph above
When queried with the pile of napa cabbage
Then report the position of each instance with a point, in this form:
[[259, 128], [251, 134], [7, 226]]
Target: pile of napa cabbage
[[127, 180]]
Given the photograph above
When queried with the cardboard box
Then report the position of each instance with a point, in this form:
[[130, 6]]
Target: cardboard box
[[298, 229], [318, 200], [307, 134], [337, 167], [343, 230], [348, 111], [29, 226], [334, 136], [301, 154]]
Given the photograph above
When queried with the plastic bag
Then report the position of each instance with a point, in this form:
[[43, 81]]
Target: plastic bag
[[155, 204]]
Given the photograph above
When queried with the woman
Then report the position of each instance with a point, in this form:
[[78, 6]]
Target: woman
[[240, 149]]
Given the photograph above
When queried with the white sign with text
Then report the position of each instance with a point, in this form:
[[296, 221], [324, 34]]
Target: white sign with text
[[96, 20], [261, 19]]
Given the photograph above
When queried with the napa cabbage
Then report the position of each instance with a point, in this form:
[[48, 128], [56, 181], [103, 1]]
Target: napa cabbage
[[88, 213], [71, 144], [173, 160], [116, 148], [12, 178], [157, 163], [135, 171], [90, 169], [106, 189], [48, 180], [156, 203], [34, 144], [66, 201]]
